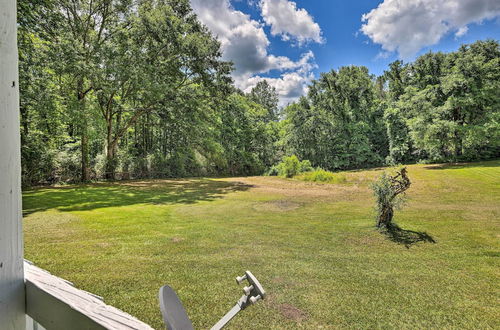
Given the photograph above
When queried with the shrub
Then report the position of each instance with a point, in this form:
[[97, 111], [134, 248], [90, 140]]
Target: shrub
[[100, 165], [38, 161], [289, 167], [321, 175], [67, 163], [273, 171], [305, 166]]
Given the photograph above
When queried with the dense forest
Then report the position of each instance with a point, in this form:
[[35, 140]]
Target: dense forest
[[118, 89]]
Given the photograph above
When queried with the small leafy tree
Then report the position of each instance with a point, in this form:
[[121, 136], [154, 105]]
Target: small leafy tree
[[389, 191], [290, 166]]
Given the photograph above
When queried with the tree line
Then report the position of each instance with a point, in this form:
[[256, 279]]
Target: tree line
[[439, 108], [118, 89]]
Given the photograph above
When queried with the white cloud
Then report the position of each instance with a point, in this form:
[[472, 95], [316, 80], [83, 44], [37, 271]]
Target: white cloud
[[245, 43], [290, 22], [462, 31], [406, 26], [290, 85], [243, 40], [382, 55]]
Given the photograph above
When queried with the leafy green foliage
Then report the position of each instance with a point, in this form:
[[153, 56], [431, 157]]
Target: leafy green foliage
[[442, 107], [339, 123], [267, 96], [67, 163], [290, 166], [140, 90], [449, 107], [320, 175], [244, 136]]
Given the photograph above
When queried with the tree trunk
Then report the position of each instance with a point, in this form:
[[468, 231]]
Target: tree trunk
[[109, 172], [385, 216], [85, 153], [83, 131], [111, 161]]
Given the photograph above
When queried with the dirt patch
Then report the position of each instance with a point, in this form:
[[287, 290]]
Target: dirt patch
[[292, 313], [177, 239], [277, 206], [295, 188]]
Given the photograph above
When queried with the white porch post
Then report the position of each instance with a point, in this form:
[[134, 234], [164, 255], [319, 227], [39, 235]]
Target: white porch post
[[12, 307]]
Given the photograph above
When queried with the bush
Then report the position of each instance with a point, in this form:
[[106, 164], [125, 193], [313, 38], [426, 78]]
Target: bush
[[305, 166], [38, 162], [68, 163], [321, 175], [139, 167], [273, 171], [100, 165], [290, 167]]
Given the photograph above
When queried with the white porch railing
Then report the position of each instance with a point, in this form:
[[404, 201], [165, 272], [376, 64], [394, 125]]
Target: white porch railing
[[55, 303]]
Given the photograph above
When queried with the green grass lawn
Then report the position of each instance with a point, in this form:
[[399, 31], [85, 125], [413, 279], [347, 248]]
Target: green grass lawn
[[313, 247]]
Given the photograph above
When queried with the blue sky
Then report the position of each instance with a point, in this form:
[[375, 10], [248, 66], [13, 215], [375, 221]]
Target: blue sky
[[291, 42]]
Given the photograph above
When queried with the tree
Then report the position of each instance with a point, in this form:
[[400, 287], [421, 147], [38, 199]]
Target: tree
[[389, 193], [305, 130], [396, 78], [339, 124], [266, 95], [85, 30], [243, 135], [400, 146], [139, 88], [450, 110], [42, 113], [162, 51], [399, 143]]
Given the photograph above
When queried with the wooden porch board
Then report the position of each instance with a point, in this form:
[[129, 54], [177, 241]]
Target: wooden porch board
[[56, 304]]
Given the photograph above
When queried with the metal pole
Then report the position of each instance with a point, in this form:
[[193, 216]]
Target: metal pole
[[223, 321]]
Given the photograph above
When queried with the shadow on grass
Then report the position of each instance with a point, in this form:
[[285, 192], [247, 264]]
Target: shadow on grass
[[93, 196], [406, 237]]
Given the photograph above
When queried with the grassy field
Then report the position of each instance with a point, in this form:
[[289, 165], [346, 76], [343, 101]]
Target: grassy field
[[313, 247]]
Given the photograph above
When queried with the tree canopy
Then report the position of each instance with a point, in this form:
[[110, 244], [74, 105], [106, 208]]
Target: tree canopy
[[128, 89]]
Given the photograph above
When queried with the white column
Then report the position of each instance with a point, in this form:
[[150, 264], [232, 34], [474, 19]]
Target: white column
[[12, 310]]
